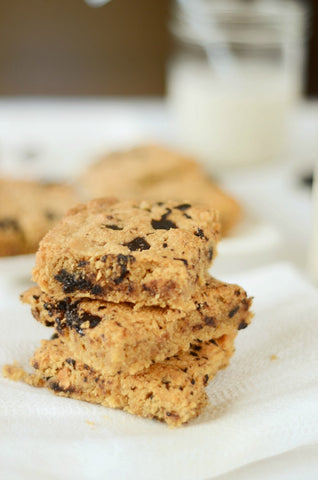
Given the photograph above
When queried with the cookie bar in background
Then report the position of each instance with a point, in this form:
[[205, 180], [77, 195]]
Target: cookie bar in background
[[139, 252], [28, 209], [115, 337], [172, 391], [153, 172]]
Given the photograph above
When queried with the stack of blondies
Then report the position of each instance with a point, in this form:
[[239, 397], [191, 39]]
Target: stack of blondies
[[139, 323]]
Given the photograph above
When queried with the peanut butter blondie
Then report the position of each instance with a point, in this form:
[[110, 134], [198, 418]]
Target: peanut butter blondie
[[171, 391], [152, 172], [145, 253], [116, 338], [28, 210]]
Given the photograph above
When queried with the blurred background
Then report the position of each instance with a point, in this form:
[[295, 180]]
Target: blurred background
[[68, 48], [232, 82]]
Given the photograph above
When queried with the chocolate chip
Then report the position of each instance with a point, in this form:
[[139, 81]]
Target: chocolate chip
[[113, 227], [213, 342], [205, 379], [165, 245], [10, 224], [54, 336], [200, 233], [210, 253], [71, 282], [102, 307], [82, 263], [163, 223], [234, 311], [197, 348], [51, 216], [93, 320], [36, 297], [187, 216], [70, 361], [56, 387], [242, 325], [149, 396], [193, 381], [48, 323], [183, 206], [182, 260], [209, 321], [122, 262], [194, 354], [138, 243]]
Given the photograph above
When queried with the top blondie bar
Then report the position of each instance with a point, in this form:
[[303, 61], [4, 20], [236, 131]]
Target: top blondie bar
[[140, 252]]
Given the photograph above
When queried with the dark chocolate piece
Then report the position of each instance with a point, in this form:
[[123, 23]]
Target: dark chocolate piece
[[138, 243]]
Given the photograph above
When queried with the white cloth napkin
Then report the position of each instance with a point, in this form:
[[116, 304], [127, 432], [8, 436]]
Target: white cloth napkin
[[265, 403]]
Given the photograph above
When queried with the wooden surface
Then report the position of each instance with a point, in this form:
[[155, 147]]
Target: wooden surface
[[64, 47]]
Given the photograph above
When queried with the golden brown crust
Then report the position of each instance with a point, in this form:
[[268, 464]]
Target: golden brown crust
[[171, 391], [140, 252], [116, 337]]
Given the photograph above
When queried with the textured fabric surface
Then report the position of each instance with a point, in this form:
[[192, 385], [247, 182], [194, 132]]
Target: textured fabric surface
[[264, 404]]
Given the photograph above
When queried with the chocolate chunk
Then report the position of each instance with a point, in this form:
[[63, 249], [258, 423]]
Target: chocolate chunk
[[75, 321], [138, 243], [242, 325], [82, 263], [71, 361], [10, 224], [48, 323], [122, 261], [183, 206], [51, 216], [93, 320], [113, 227], [182, 260], [56, 387], [163, 223], [71, 283], [209, 321], [200, 233], [234, 311], [96, 290]]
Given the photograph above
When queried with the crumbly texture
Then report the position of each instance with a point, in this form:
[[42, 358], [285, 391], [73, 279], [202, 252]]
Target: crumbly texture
[[171, 391], [155, 173], [139, 252], [116, 338], [28, 210]]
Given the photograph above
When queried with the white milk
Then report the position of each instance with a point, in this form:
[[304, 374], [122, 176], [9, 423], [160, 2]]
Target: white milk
[[237, 121]]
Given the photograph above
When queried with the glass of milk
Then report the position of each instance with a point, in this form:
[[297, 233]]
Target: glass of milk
[[235, 76]]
